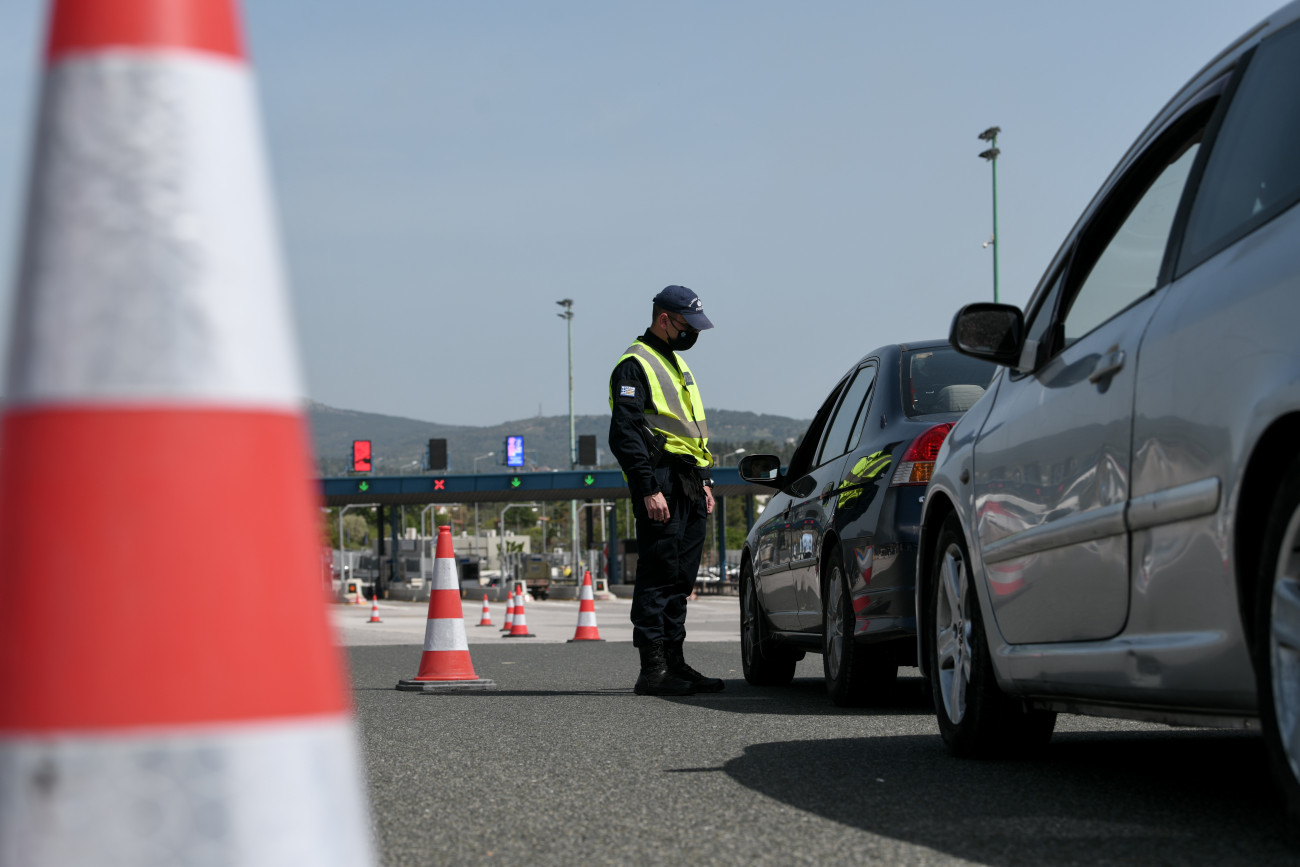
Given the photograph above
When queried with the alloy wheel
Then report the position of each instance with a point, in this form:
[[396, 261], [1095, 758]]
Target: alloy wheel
[[952, 633], [834, 626], [1284, 644]]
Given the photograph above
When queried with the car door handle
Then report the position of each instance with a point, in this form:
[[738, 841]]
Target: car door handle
[[1110, 364]]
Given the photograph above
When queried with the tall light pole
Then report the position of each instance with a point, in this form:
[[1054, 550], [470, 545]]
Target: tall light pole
[[476, 460], [723, 458], [567, 316], [990, 135]]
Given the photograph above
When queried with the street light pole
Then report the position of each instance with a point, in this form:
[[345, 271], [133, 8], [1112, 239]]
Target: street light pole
[[567, 316], [723, 459], [990, 135], [476, 460]]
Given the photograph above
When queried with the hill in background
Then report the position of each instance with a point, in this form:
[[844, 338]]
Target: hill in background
[[400, 444]]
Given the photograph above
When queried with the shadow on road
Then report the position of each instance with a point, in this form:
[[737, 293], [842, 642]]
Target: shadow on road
[[808, 697], [1159, 797]]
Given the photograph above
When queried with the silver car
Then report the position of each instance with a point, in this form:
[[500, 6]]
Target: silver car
[[1114, 528]]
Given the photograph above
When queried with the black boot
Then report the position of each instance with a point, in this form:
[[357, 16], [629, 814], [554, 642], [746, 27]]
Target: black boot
[[677, 665], [655, 677]]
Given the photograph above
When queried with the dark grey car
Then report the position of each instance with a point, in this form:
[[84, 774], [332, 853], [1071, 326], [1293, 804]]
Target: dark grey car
[[829, 566], [1115, 528]]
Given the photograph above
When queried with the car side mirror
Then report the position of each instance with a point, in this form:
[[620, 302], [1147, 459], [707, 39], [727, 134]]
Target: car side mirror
[[762, 470], [992, 332]]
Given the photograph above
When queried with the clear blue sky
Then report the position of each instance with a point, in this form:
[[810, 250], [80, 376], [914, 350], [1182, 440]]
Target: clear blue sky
[[446, 170]]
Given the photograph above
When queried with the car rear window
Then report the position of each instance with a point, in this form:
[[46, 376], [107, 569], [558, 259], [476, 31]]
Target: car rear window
[[942, 380]]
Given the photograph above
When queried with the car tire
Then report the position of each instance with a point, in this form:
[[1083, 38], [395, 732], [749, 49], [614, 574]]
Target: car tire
[[976, 719], [763, 664], [1277, 641], [855, 675]]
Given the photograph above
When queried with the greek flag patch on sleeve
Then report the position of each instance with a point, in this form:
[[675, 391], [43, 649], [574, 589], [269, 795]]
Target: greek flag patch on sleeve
[[627, 391]]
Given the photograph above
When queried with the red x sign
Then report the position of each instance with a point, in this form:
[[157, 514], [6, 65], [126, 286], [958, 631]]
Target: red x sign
[[440, 484]]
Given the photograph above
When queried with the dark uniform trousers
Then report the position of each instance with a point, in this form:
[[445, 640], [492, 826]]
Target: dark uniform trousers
[[668, 560]]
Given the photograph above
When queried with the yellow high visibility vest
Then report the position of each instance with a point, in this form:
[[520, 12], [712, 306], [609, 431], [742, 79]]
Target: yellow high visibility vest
[[675, 408]]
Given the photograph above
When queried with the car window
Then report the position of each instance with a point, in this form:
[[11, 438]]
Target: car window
[[1042, 319], [802, 459], [1252, 173], [861, 421], [943, 380], [836, 441], [1127, 265]]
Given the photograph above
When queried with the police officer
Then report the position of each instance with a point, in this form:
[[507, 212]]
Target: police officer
[[659, 436]]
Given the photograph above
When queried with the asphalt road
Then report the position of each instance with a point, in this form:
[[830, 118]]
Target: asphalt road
[[561, 764]]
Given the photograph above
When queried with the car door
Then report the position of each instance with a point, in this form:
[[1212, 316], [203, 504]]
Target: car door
[[776, 539], [814, 496], [1052, 462], [772, 564]]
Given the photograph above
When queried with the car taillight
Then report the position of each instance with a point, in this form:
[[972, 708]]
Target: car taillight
[[917, 464]]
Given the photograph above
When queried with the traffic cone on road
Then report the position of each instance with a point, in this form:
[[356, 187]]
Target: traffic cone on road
[[374, 611], [510, 613], [358, 599], [519, 626], [151, 323], [445, 663], [486, 619], [587, 630]]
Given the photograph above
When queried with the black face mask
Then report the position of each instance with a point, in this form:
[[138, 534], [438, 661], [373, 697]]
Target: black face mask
[[683, 341]]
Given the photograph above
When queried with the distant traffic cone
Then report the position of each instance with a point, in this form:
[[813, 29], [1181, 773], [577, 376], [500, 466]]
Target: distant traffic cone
[[486, 619], [587, 630], [519, 626], [445, 663], [510, 613], [151, 320], [358, 599], [374, 611]]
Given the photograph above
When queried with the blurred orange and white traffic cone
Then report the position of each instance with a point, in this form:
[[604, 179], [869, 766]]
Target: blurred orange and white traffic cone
[[374, 611], [519, 626], [445, 663], [510, 613], [587, 629], [358, 599], [486, 618], [151, 323]]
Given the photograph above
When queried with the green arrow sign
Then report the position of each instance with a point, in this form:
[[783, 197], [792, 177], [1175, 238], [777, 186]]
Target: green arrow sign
[[589, 480], [515, 482], [363, 486]]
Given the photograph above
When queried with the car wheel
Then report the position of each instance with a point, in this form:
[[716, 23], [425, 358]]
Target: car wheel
[[854, 674], [975, 717], [1277, 639], [763, 665]]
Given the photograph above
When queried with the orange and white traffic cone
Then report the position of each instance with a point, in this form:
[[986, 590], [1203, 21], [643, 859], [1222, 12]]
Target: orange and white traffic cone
[[445, 663], [486, 619], [151, 322], [374, 611], [587, 630], [358, 599], [510, 613], [519, 626]]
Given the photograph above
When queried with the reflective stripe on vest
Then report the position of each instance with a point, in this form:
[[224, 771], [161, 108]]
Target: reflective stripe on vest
[[682, 422]]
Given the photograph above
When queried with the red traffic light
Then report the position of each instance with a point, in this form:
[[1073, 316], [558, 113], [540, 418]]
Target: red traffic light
[[361, 456]]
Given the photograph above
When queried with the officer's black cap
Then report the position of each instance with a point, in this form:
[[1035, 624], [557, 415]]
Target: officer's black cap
[[680, 300]]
